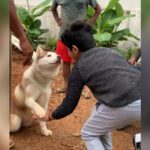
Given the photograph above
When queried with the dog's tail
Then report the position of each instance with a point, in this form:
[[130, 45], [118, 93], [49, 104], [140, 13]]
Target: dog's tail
[[19, 96]]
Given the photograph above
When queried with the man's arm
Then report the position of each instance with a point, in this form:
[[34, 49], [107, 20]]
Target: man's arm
[[73, 94], [16, 28], [55, 13], [96, 14]]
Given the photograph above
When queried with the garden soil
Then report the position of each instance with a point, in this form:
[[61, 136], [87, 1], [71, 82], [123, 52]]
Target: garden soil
[[66, 132]]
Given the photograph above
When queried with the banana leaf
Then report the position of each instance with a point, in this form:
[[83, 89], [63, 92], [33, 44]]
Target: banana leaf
[[43, 4], [118, 19], [42, 31], [119, 34], [119, 10], [106, 16], [36, 24], [38, 32], [24, 16], [111, 4], [40, 12], [102, 37], [122, 34]]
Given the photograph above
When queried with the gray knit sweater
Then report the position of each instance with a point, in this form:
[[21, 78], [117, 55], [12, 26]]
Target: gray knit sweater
[[112, 80]]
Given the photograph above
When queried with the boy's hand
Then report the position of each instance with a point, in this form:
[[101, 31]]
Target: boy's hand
[[47, 117], [132, 61]]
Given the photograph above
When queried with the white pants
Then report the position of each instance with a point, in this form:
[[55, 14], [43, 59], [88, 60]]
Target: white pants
[[96, 130]]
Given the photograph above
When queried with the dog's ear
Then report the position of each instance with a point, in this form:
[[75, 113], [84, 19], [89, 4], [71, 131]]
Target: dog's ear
[[39, 51], [34, 55]]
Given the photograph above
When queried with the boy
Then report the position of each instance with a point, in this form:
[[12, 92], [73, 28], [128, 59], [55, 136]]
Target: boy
[[112, 80]]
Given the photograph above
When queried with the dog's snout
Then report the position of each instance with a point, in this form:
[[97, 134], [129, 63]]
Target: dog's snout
[[59, 58]]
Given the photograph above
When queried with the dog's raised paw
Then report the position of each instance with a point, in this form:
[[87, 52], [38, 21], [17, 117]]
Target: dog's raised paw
[[40, 112], [47, 132]]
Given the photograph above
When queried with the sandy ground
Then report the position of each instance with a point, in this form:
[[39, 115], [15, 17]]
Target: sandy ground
[[65, 131]]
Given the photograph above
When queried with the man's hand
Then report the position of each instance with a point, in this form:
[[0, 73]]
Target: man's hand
[[59, 22], [132, 61], [27, 51], [16, 28], [48, 116]]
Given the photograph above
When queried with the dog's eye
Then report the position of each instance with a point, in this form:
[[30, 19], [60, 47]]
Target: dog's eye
[[49, 55]]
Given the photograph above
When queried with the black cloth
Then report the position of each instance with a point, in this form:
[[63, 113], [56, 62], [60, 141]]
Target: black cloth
[[112, 80]]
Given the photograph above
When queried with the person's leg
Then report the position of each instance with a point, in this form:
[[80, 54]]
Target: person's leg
[[94, 140], [96, 131], [66, 73], [106, 141]]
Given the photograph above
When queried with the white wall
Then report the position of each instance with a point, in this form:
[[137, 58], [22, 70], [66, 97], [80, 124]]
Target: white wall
[[127, 4], [133, 23], [133, 5], [31, 2]]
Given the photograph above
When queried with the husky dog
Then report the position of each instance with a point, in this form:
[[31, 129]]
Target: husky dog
[[34, 91]]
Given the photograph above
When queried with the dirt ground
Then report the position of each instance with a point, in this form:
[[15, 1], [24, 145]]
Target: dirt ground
[[65, 131]]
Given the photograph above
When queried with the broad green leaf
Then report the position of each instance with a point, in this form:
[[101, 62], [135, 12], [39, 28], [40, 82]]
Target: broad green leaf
[[122, 34], [43, 4], [107, 24], [97, 25], [102, 37], [24, 17], [123, 39], [94, 30], [36, 32], [41, 41], [42, 31], [111, 4], [133, 36], [106, 16], [41, 12], [90, 12], [119, 34], [118, 19], [22, 14], [109, 28], [119, 9], [36, 24]]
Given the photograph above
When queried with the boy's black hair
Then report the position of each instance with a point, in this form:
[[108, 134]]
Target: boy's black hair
[[79, 35]]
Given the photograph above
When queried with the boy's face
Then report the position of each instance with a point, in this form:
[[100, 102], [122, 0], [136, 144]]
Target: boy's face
[[74, 53]]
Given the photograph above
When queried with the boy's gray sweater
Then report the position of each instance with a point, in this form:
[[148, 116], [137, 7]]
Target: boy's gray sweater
[[112, 80]]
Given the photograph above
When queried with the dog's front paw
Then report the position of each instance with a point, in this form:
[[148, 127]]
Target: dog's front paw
[[40, 112], [47, 132]]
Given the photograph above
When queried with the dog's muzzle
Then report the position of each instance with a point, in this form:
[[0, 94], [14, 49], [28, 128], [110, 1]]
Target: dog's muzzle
[[58, 59]]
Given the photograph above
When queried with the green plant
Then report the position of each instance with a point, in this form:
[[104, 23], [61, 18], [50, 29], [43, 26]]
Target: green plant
[[32, 25], [105, 29], [51, 44], [127, 53]]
